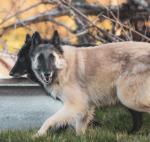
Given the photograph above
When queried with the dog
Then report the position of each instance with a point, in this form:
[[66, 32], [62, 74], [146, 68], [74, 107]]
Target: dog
[[23, 59], [22, 65], [86, 78]]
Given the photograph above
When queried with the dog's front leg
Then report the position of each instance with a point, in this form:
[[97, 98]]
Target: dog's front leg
[[63, 116], [83, 120]]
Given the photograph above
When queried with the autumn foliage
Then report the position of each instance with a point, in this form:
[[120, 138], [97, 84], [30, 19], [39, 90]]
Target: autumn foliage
[[80, 21]]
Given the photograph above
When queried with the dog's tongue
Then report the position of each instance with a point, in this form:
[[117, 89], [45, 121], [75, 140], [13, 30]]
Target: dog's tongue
[[47, 78]]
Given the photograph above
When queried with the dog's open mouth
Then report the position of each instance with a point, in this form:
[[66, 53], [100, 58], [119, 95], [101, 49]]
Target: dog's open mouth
[[47, 79]]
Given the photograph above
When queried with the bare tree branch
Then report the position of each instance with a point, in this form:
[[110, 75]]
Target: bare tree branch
[[80, 12], [116, 20], [20, 12], [27, 9], [44, 17], [110, 36], [142, 3]]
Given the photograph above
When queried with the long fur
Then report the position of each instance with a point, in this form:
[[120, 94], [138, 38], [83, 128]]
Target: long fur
[[91, 77]]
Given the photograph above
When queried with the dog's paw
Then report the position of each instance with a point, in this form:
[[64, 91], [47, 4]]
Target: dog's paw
[[40, 133], [35, 136]]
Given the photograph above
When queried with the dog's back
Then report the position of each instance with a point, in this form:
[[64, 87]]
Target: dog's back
[[97, 69]]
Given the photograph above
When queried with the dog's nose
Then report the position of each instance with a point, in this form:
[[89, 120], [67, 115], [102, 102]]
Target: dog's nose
[[47, 76], [14, 74], [11, 73]]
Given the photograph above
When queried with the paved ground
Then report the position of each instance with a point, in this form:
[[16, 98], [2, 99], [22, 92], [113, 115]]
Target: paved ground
[[23, 107], [22, 112]]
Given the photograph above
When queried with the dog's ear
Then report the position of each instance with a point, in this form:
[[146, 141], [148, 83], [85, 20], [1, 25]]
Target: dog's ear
[[56, 38], [28, 38], [36, 39], [56, 41]]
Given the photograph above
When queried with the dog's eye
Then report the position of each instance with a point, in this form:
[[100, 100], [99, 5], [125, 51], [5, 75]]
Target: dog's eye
[[41, 57], [51, 57]]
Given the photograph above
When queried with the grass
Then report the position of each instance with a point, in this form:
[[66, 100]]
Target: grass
[[115, 122]]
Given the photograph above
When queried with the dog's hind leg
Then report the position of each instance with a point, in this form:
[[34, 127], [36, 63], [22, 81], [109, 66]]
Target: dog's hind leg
[[134, 92], [137, 120]]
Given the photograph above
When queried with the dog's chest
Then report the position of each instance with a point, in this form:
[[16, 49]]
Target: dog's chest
[[55, 92]]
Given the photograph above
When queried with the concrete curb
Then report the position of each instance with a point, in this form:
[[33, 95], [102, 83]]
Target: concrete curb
[[24, 104]]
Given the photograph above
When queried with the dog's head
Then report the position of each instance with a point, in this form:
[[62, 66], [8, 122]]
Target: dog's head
[[22, 64], [46, 59]]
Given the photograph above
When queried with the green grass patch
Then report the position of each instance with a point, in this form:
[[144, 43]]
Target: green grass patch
[[115, 122]]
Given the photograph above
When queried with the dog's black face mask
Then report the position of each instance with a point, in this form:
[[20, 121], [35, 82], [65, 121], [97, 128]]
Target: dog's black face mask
[[46, 68], [46, 59], [22, 65]]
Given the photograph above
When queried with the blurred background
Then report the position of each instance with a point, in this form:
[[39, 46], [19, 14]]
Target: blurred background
[[85, 22]]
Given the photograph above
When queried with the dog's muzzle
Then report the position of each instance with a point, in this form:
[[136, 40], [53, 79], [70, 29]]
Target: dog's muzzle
[[47, 77]]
